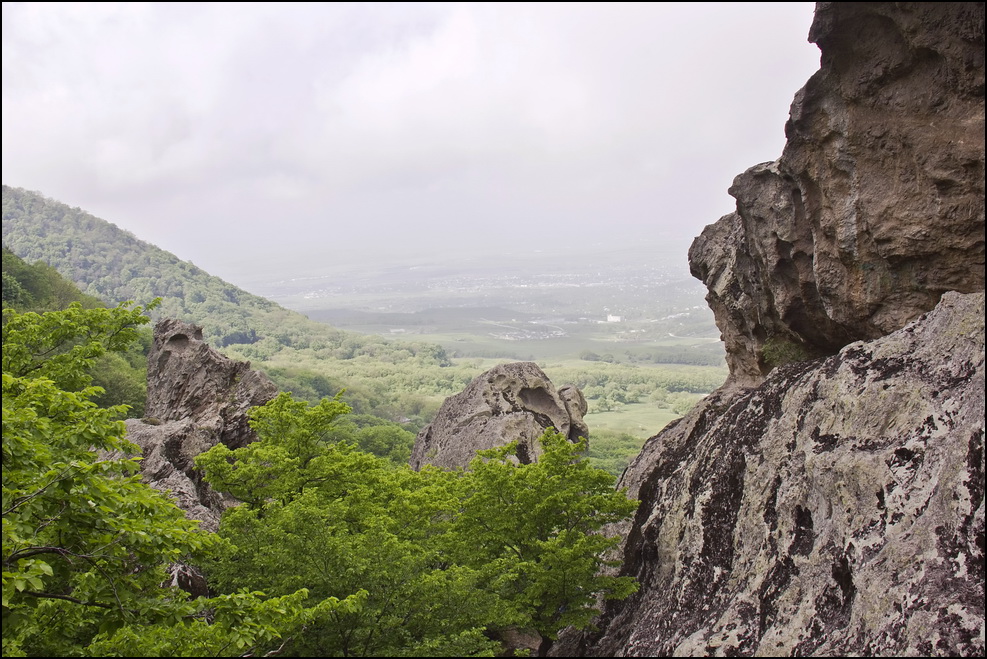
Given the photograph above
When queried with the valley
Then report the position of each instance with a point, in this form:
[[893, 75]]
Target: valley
[[400, 332], [613, 322], [608, 306]]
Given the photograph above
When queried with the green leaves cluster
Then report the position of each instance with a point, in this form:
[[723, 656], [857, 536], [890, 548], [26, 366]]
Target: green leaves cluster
[[532, 530], [86, 545], [76, 519], [39, 287], [449, 560], [356, 557]]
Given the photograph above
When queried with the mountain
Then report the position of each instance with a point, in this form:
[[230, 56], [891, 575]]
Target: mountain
[[829, 499], [113, 265]]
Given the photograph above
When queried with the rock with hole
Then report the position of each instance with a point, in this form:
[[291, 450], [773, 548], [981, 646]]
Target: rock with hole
[[509, 402]]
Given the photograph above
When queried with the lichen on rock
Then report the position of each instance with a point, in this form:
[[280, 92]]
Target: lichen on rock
[[836, 509]]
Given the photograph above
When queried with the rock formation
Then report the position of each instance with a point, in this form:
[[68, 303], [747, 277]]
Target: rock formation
[[508, 402], [876, 206], [837, 509], [196, 398], [829, 499]]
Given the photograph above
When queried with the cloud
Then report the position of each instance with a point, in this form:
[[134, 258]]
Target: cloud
[[435, 126]]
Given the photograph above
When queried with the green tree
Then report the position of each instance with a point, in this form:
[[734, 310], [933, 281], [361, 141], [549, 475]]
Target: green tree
[[76, 523], [321, 514], [86, 545], [447, 558], [39, 288], [533, 530]]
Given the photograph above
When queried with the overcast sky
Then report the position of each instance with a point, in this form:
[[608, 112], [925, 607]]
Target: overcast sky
[[238, 135]]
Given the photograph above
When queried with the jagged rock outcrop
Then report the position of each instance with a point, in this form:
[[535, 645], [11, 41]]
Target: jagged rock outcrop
[[876, 206], [196, 399], [829, 499], [509, 402], [188, 379], [837, 509]]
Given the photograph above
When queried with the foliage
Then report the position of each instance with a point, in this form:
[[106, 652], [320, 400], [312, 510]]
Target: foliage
[[228, 625], [122, 374], [39, 287], [447, 558], [339, 521], [612, 451], [377, 436], [75, 525], [86, 545], [532, 528], [278, 467]]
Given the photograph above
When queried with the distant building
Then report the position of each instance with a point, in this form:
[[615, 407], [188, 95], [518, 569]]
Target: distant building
[[613, 319]]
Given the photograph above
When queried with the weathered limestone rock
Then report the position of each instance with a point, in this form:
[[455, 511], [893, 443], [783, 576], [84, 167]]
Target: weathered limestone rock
[[829, 500], [196, 398], [876, 206], [837, 509], [187, 379], [509, 402]]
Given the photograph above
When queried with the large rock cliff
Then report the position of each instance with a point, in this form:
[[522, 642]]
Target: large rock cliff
[[829, 499], [837, 509], [876, 206], [509, 402], [196, 398]]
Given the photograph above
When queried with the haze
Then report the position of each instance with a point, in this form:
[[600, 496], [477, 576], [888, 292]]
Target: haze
[[259, 137]]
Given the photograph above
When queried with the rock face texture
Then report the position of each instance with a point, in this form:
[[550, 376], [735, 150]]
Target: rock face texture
[[837, 509], [829, 499], [508, 402], [196, 398], [876, 206]]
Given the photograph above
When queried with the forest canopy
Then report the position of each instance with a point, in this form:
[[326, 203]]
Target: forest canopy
[[333, 550]]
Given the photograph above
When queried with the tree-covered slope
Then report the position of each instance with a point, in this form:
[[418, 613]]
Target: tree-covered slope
[[39, 288], [113, 265]]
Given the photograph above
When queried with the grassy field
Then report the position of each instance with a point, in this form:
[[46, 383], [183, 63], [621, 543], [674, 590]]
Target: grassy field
[[620, 348], [638, 419]]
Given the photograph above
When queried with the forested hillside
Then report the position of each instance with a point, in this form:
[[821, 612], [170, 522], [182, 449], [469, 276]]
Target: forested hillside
[[113, 265], [39, 288]]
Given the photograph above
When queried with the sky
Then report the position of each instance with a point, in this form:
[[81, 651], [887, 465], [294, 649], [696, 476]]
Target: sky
[[251, 136]]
